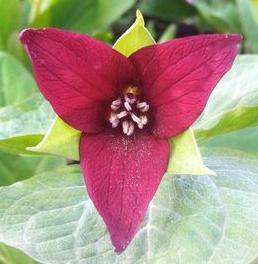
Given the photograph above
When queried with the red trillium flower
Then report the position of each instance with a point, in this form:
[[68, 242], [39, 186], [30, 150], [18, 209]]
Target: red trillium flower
[[127, 109]]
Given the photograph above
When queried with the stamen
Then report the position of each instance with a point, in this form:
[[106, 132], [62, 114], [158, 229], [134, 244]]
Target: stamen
[[135, 118], [133, 100], [113, 120], [118, 101], [131, 129], [115, 123], [127, 106], [125, 126], [116, 104], [128, 127], [140, 125], [130, 100], [122, 114], [144, 119], [143, 106], [112, 117], [127, 99], [123, 109]]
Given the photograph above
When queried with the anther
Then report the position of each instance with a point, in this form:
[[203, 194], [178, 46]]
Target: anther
[[131, 129], [112, 117], [140, 125], [122, 114], [130, 100], [127, 106], [125, 126], [115, 123], [123, 111], [144, 107], [114, 120], [135, 118], [128, 127], [116, 104], [144, 119]]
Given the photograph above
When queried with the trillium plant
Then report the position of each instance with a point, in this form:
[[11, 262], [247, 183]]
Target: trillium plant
[[127, 109]]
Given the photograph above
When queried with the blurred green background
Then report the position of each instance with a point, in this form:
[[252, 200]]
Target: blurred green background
[[105, 20]]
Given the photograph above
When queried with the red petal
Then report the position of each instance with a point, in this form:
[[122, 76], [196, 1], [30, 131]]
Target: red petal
[[122, 174], [178, 77], [76, 74]]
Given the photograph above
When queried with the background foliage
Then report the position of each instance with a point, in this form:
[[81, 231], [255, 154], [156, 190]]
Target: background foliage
[[218, 214]]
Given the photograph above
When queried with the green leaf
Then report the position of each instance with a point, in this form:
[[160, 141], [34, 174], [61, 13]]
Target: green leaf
[[10, 16], [10, 255], [24, 123], [221, 15], [16, 83], [15, 168], [86, 16], [167, 9], [24, 115], [249, 25], [234, 103], [254, 7], [184, 148], [243, 140], [191, 219]]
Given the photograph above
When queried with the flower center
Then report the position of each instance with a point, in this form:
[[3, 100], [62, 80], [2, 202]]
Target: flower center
[[129, 112]]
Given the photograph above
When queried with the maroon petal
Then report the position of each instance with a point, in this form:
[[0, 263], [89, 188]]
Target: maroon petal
[[178, 77], [122, 174], [76, 74]]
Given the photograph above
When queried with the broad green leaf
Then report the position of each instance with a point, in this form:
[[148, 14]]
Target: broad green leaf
[[191, 219], [86, 16], [9, 255], [24, 123], [1, 43], [185, 148], [234, 103], [10, 16], [15, 168], [254, 7], [40, 14], [24, 115], [249, 26], [16, 83], [167, 9], [221, 15], [243, 140], [17, 145]]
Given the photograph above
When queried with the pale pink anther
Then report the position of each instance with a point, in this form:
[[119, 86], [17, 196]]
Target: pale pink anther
[[135, 118], [114, 120], [116, 104], [144, 119], [128, 127], [127, 106], [122, 114], [143, 106]]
